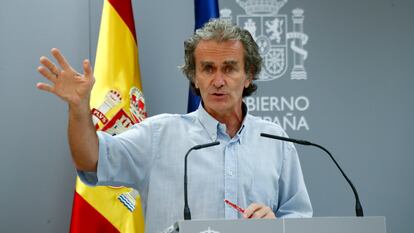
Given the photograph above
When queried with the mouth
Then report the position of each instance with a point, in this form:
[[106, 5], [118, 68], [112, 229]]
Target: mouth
[[218, 94]]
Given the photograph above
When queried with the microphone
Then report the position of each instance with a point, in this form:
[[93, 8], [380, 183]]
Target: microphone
[[187, 214], [358, 207]]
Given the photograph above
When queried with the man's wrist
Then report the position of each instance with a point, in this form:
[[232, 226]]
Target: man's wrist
[[79, 110]]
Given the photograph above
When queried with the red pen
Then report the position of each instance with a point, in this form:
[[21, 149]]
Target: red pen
[[234, 206]]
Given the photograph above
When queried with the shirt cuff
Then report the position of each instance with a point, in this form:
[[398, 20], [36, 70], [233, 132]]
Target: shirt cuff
[[88, 178]]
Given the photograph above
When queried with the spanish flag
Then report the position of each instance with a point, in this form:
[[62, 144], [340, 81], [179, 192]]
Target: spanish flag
[[117, 103]]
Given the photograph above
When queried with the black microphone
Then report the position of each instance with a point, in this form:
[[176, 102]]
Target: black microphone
[[187, 214], [358, 207]]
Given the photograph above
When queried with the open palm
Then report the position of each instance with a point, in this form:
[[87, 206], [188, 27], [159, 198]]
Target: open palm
[[66, 83]]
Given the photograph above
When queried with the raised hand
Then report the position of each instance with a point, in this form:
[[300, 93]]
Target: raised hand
[[75, 89], [66, 83]]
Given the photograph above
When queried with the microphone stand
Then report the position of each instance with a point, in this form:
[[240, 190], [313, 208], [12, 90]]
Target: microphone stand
[[358, 207], [187, 213]]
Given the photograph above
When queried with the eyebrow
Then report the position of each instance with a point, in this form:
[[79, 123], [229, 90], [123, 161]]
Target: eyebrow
[[230, 62], [206, 63]]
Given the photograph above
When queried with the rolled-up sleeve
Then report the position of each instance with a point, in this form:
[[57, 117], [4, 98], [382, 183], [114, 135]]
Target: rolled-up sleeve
[[124, 159]]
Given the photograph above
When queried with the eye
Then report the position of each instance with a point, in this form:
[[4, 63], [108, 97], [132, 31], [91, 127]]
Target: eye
[[208, 69], [228, 69]]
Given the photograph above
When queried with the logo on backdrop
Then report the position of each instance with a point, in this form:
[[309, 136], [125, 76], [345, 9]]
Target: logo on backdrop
[[209, 231], [278, 47], [270, 31]]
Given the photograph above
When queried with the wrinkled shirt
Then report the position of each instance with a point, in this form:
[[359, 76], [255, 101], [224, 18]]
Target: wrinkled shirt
[[244, 169]]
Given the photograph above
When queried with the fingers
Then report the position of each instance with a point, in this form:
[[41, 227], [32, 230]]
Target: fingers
[[87, 68], [47, 74], [248, 212], [264, 212], [45, 87], [60, 59], [53, 72], [50, 65], [256, 210]]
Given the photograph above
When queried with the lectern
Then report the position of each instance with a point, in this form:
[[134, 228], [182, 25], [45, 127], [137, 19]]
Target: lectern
[[288, 225]]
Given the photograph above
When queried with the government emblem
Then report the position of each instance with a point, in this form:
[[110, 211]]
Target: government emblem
[[270, 31]]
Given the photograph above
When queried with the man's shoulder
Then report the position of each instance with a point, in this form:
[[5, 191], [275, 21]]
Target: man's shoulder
[[168, 118], [264, 125]]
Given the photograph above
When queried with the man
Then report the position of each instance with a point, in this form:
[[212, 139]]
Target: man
[[261, 175]]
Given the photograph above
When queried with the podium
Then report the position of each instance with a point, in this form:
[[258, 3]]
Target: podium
[[288, 225]]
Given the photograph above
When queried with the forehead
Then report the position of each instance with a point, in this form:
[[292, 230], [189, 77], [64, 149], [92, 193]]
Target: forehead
[[219, 52]]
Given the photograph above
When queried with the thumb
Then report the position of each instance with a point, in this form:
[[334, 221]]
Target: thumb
[[87, 68]]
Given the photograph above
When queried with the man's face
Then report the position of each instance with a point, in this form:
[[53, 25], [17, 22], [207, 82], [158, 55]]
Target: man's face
[[220, 75]]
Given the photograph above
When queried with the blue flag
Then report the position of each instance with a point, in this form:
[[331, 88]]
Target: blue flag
[[204, 10]]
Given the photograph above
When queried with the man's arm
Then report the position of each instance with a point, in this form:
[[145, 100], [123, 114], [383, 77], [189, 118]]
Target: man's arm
[[75, 90], [293, 196]]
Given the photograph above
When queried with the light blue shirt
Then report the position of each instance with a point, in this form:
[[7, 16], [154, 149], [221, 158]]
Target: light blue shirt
[[244, 169]]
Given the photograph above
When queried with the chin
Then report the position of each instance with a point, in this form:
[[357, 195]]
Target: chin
[[214, 104], [218, 107]]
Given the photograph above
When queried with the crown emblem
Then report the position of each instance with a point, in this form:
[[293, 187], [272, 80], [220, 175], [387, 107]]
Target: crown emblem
[[225, 14], [261, 7]]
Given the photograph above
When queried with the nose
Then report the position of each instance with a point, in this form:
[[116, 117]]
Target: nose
[[218, 80]]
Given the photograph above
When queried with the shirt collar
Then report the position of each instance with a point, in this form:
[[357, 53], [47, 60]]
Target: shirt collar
[[212, 125], [240, 133], [209, 123]]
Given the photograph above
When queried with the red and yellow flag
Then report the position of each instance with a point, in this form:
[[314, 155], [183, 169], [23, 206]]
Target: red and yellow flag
[[117, 103]]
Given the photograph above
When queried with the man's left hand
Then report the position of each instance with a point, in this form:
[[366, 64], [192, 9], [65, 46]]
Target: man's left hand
[[256, 210]]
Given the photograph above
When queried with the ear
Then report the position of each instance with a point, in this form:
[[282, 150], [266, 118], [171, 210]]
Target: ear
[[248, 80], [195, 82]]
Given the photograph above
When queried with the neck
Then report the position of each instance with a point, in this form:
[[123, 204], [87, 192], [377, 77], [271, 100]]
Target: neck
[[232, 119]]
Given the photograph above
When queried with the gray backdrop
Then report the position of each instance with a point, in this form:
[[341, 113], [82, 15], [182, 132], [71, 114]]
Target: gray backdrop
[[359, 64]]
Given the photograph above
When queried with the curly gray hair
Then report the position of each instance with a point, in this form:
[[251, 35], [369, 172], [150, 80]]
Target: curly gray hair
[[222, 30]]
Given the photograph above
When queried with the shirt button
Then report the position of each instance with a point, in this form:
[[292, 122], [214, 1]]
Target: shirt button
[[230, 173]]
